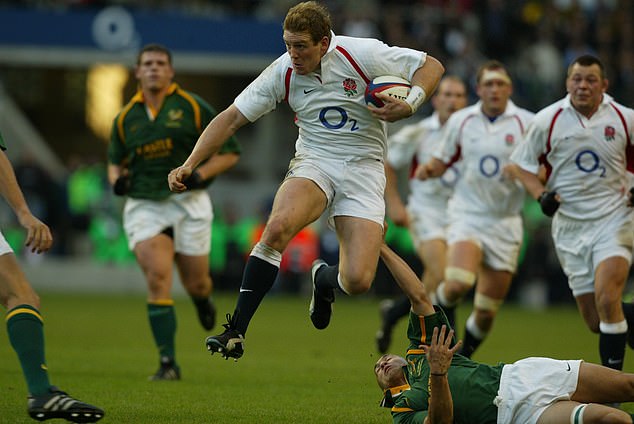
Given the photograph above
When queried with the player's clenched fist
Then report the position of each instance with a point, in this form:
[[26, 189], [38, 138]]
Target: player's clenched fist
[[176, 177]]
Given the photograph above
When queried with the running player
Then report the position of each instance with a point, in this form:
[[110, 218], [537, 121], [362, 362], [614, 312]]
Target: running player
[[153, 134], [583, 140], [338, 165], [485, 225]]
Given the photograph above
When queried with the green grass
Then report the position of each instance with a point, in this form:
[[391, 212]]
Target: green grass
[[99, 348]]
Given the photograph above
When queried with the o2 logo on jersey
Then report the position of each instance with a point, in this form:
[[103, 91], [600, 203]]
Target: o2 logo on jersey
[[588, 161], [335, 117], [489, 166]]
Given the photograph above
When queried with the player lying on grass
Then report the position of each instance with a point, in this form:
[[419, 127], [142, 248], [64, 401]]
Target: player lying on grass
[[433, 384]]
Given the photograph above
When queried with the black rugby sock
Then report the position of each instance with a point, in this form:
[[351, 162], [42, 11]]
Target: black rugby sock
[[258, 278]]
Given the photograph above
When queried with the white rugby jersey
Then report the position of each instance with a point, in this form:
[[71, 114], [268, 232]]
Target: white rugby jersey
[[585, 158], [412, 145], [483, 149], [331, 112]]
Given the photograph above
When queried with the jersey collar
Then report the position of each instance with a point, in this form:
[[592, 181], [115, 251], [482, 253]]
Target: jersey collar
[[607, 99], [139, 98], [389, 395]]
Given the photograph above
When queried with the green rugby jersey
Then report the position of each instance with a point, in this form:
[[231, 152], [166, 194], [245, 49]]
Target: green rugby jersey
[[152, 148], [2, 145], [473, 385]]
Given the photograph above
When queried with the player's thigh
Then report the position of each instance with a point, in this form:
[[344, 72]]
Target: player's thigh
[[193, 271], [610, 277], [433, 254], [14, 287], [298, 202], [493, 283], [464, 254], [601, 384], [360, 240], [155, 256]]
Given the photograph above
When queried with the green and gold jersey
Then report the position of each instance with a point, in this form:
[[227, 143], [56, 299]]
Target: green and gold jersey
[[473, 385], [151, 148]]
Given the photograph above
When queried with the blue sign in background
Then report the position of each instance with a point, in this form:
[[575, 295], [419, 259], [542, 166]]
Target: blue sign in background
[[116, 29]]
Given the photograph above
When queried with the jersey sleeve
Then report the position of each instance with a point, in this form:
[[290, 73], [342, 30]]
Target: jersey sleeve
[[263, 94], [116, 149], [380, 59], [402, 146], [448, 149], [528, 152]]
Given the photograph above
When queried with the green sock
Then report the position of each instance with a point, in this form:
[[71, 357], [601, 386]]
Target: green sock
[[163, 323], [26, 334]]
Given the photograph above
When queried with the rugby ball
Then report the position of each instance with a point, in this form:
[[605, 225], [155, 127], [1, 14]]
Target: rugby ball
[[391, 85]]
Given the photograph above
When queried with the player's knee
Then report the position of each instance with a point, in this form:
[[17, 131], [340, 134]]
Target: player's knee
[[20, 294], [608, 300], [356, 281], [460, 276], [277, 233]]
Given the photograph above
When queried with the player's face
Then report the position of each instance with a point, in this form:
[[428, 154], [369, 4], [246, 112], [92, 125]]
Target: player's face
[[450, 97], [586, 87], [305, 55], [495, 94], [154, 71], [389, 371]]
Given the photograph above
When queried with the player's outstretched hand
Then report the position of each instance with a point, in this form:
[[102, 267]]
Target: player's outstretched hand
[[440, 352], [393, 109], [176, 177], [38, 236]]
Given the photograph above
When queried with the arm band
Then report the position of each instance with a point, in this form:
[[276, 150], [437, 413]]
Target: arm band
[[438, 374], [416, 97]]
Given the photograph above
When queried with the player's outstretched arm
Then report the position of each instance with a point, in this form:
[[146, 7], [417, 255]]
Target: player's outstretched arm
[[439, 355], [38, 236], [223, 126], [408, 281]]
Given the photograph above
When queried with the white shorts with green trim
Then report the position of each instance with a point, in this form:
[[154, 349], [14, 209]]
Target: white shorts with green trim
[[189, 214]]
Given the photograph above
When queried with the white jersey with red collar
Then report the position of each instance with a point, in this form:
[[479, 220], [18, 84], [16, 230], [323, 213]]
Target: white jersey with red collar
[[585, 158], [331, 112], [412, 145], [483, 148]]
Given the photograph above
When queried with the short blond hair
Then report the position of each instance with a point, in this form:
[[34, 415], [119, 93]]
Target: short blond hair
[[310, 17]]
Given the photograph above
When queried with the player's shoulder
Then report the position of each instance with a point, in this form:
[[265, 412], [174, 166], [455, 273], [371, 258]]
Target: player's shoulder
[[625, 110], [460, 116], [545, 115]]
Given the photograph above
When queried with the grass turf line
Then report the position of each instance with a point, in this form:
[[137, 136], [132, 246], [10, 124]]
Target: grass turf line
[[99, 349]]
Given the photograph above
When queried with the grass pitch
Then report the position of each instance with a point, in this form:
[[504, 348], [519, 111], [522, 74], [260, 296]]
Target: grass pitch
[[99, 349]]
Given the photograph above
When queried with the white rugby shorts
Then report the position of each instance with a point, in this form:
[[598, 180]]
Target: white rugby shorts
[[4, 245], [428, 221], [499, 238], [190, 215], [529, 386], [352, 187], [581, 245]]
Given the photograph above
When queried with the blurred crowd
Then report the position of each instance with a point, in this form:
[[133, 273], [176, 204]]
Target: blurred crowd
[[536, 39]]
